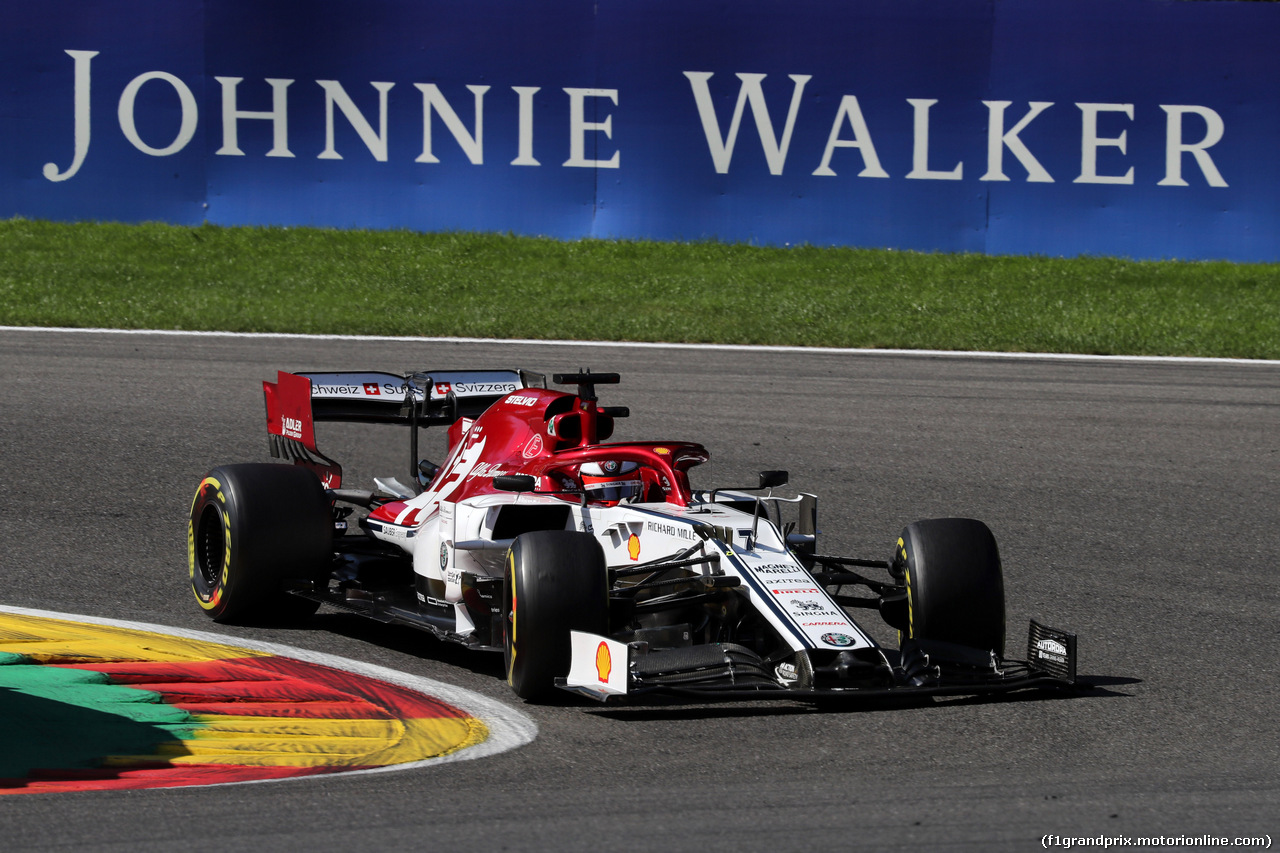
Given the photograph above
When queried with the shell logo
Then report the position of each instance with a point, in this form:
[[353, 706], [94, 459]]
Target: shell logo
[[604, 663], [633, 546]]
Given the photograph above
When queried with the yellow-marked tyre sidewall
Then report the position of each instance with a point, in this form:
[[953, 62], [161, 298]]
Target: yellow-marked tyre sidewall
[[510, 599], [904, 565], [208, 566]]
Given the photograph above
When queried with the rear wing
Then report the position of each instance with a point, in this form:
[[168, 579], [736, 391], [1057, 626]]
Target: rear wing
[[426, 398], [297, 401]]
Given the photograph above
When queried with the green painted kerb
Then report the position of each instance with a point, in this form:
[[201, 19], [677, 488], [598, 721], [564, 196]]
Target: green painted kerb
[[67, 718]]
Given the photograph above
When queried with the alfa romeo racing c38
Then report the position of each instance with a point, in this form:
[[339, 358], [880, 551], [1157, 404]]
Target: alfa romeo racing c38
[[592, 566]]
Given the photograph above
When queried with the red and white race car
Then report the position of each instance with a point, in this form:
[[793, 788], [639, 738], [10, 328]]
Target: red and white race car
[[592, 566]]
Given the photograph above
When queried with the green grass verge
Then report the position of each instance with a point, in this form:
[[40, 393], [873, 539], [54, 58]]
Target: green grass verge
[[482, 285]]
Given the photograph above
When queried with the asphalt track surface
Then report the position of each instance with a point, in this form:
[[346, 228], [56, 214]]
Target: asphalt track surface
[[1135, 503]]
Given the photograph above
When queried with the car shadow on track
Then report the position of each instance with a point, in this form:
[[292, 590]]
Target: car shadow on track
[[409, 641], [1088, 687]]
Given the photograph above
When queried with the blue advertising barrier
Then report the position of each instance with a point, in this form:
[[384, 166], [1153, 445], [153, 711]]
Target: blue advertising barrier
[[1136, 128]]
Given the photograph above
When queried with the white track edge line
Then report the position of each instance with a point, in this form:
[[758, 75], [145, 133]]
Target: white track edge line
[[508, 727], [854, 351]]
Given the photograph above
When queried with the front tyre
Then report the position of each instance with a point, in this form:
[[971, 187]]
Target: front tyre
[[253, 528], [556, 582], [955, 585]]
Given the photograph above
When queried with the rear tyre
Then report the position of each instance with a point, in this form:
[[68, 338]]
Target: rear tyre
[[556, 582], [253, 528], [955, 586]]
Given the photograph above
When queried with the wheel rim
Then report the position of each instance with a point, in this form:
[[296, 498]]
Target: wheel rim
[[211, 547]]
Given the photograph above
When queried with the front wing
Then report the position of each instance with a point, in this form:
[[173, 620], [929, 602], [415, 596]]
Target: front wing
[[612, 671]]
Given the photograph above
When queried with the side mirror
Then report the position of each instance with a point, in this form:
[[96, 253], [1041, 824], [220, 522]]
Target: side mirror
[[566, 426], [772, 479], [514, 482]]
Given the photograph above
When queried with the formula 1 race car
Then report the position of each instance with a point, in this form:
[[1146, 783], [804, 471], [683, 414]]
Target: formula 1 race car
[[592, 566]]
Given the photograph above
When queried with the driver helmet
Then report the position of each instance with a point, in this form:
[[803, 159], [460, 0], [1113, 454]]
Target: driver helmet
[[611, 481]]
